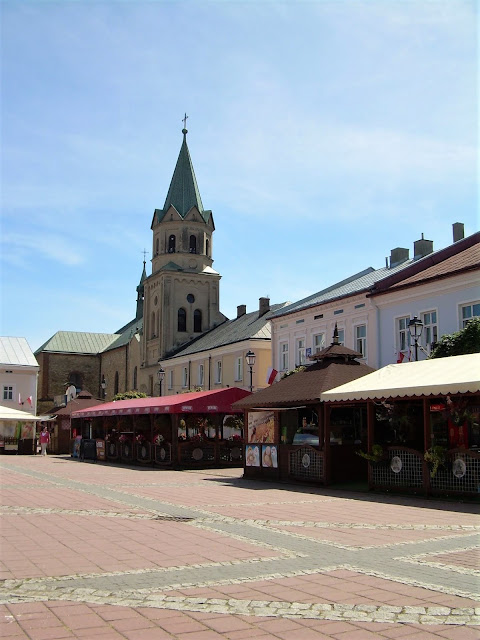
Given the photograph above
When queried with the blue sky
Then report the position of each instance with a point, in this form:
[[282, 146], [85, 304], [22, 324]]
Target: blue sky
[[323, 134]]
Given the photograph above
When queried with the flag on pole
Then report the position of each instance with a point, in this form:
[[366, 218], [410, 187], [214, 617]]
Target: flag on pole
[[30, 400], [271, 375], [19, 398], [401, 357]]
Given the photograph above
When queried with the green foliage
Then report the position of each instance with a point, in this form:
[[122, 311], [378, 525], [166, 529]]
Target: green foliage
[[436, 456], [296, 370], [128, 395], [376, 455], [459, 343]]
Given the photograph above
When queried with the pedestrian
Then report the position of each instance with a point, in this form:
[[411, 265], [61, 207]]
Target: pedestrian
[[44, 440]]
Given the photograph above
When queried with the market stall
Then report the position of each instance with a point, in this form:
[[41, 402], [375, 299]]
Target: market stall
[[189, 429], [286, 435], [17, 431], [423, 424]]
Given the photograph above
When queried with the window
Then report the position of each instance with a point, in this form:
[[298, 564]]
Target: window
[[238, 369], [207, 247], [182, 320], [170, 379], [135, 378], [184, 377], [430, 328], [318, 342], [403, 337], [156, 247], [75, 378], [361, 339], [7, 392], [193, 245], [341, 336], [152, 325], [115, 386], [469, 311], [201, 375], [197, 321], [284, 356], [218, 372], [300, 349], [171, 244]]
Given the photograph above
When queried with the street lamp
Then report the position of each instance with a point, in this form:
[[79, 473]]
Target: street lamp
[[160, 376], [103, 385], [415, 327], [250, 358]]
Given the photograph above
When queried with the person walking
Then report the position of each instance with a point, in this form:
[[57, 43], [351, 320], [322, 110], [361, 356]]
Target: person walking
[[44, 440]]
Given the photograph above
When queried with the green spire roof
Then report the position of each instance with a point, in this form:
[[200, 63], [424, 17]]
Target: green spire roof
[[183, 193]]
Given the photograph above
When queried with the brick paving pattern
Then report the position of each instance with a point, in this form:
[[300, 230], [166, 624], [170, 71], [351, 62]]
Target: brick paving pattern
[[110, 552]]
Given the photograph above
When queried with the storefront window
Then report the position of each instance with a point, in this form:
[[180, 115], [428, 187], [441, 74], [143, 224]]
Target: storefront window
[[348, 426], [299, 426], [399, 423]]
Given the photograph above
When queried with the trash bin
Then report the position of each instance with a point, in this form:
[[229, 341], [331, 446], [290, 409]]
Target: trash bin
[[88, 449]]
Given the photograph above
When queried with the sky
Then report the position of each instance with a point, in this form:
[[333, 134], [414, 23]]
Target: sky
[[323, 134]]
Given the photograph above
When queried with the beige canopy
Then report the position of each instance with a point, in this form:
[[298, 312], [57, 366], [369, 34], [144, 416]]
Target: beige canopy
[[9, 413], [440, 376]]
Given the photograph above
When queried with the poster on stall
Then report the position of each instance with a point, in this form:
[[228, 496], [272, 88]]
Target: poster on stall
[[27, 431], [252, 455], [261, 426], [269, 456]]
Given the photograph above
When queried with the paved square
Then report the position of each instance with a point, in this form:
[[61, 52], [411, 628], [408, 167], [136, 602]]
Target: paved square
[[110, 552]]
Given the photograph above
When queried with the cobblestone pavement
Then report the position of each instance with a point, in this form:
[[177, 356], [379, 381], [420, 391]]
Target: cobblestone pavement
[[111, 552]]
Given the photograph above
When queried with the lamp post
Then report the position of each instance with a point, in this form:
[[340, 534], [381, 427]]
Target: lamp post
[[250, 358], [415, 327], [160, 376], [103, 385]]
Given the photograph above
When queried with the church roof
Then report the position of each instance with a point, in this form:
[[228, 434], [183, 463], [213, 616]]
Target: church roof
[[77, 342], [183, 193]]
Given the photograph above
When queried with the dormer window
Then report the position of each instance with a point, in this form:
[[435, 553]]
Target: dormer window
[[193, 244], [171, 244]]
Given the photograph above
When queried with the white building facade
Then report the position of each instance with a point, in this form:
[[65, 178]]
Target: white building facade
[[18, 375]]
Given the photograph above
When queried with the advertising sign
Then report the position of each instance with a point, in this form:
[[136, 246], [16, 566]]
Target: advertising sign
[[261, 426]]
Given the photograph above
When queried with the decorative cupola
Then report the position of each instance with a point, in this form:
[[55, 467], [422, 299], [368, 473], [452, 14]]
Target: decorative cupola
[[336, 351], [183, 228]]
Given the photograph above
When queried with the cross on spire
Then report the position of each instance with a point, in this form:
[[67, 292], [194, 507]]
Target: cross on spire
[[144, 255], [184, 120]]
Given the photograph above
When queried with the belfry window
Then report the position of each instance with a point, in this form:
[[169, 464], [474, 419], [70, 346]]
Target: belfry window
[[197, 321], [171, 244], [207, 247], [156, 247], [182, 320], [193, 244]]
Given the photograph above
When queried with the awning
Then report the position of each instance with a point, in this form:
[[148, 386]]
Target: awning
[[9, 413], [440, 376], [216, 401]]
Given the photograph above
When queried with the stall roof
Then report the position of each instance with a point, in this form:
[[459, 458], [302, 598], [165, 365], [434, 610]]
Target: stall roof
[[216, 401], [8, 413], [440, 376]]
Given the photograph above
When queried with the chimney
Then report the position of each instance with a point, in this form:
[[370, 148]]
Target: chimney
[[263, 306], [241, 310], [422, 248], [458, 231], [398, 255]]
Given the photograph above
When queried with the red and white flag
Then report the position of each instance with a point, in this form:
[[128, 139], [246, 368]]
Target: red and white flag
[[271, 375], [30, 400], [401, 357], [19, 398]]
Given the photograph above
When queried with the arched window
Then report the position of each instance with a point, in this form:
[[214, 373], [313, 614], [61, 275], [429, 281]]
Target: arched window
[[193, 244], [156, 246], [182, 320], [75, 378], [135, 378], [115, 387], [171, 244], [207, 247], [197, 320], [152, 325]]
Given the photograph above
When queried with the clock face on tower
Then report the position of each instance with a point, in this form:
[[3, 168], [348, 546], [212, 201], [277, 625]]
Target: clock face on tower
[[190, 298]]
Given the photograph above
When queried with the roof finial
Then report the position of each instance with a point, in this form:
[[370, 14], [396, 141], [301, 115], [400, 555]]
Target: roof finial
[[144, 255], [335, 335], [184, 130]]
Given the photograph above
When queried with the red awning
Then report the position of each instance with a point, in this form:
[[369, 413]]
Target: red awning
[[217, 401]]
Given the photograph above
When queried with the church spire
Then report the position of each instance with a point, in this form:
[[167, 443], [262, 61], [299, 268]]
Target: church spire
[[141, 291], [183, 193]]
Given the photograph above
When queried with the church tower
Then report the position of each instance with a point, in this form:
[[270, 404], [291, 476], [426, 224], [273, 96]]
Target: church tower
[[181, 296]]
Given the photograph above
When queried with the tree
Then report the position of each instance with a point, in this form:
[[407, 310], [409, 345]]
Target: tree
[[128, 395], [459, 343]]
